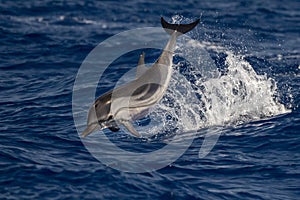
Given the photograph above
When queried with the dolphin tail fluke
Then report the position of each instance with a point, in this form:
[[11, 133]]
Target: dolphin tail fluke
[[181, 28]]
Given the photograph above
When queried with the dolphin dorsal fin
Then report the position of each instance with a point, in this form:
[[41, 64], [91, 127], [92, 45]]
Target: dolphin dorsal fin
[[142, 59], [141, 68]]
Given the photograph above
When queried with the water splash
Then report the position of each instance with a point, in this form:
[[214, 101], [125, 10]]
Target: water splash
[[197, 100], [239, 96]]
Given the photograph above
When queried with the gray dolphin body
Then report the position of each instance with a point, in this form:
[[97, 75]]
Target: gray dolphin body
[[131, 101]]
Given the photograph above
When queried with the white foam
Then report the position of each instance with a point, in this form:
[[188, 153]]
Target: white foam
[[238, 96]]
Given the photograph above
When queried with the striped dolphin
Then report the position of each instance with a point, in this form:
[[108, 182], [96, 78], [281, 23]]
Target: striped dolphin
[[131, 101]]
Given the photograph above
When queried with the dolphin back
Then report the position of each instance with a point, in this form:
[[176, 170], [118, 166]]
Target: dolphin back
[[181, 28]]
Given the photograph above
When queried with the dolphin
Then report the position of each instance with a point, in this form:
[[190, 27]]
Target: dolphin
[[130, 102]]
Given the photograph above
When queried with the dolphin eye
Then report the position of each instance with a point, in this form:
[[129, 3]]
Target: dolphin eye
[[110, 117]]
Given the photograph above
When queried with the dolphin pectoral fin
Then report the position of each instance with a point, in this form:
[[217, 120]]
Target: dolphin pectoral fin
[[89, 129], [141, 68], [128, 125]]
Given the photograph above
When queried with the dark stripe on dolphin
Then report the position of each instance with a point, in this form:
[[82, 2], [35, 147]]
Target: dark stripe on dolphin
[[145, 91]]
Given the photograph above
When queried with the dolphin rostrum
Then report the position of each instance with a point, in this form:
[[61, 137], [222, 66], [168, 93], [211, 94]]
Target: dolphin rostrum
[[131, 101]]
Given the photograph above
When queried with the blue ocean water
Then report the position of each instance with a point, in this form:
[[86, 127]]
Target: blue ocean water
[[43, 44]]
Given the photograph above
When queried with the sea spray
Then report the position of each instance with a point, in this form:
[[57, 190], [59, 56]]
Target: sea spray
[[239, 95]]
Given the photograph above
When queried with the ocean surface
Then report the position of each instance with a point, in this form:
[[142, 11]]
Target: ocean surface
[[234, 95]]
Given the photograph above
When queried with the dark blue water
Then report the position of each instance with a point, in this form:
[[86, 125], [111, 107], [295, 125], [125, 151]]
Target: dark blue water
[[42, 45]]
